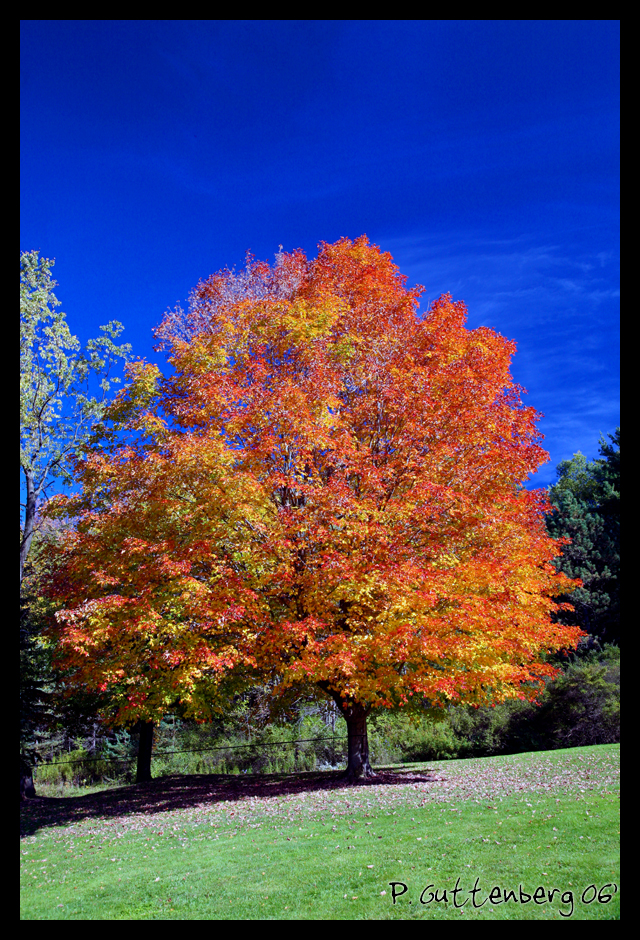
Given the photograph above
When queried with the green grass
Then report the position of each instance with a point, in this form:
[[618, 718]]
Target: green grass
[[523, 823]]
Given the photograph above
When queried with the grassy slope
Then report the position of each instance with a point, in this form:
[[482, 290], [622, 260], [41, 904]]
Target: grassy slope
[[540, 820]]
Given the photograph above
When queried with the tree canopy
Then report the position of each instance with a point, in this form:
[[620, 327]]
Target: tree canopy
[[586, 510], [325, 493], [57, 406]]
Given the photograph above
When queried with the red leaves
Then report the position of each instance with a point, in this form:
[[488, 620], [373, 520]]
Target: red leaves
[[327, 490]]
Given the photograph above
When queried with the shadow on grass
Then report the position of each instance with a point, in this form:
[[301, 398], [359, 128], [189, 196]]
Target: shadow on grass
[[175, 792]]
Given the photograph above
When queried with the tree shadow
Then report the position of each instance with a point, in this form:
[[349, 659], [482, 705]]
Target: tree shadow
[[175, 792]]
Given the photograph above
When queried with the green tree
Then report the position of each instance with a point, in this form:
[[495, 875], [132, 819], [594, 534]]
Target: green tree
[[582, 706], [586, 509], [57, 407], [58, 411], [35, 675]]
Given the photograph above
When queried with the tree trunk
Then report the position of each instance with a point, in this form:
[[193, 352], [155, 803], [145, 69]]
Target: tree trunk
[[358, 766], [29, 520], [355, 715], [143, 772], [27, 788]]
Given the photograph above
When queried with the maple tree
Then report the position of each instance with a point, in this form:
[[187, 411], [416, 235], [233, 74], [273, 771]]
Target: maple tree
[[325, 493]]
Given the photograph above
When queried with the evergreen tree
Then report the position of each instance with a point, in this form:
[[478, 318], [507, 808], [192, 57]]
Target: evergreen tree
[[586, 509], [35, 680]]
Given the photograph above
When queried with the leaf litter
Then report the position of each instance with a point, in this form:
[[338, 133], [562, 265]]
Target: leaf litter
[[172, 806]]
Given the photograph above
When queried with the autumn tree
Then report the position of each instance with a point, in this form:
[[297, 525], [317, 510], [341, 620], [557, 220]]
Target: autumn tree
[[325, 494]]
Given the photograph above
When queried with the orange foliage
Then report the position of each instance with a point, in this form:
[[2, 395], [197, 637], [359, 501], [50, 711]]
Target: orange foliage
[[326, 492]]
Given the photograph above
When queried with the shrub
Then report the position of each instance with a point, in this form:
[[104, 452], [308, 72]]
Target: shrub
[[75, 768], [409, 737], [582, 706], [579, 707], [489, 729]]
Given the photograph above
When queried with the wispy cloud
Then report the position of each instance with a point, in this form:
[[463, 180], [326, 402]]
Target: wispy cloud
[[558, 302]]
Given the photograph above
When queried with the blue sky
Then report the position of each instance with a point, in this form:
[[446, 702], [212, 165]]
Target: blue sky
[[482, 154]]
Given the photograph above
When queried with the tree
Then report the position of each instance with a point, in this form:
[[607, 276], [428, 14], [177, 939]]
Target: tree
[[586, 509], [34, 675], [582, 706], [325, 494], [45, 713], [57, 411]]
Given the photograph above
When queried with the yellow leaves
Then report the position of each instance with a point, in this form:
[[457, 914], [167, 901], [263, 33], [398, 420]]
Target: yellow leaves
[[447, 560], [144, 378], [310, 322], [344, 349], [200, 357], [140, 391], [327, 491]]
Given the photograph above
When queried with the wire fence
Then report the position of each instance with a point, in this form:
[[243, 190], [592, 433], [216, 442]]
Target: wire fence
[[195, 750], [338, 746]]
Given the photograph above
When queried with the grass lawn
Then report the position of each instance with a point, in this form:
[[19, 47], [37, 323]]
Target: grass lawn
[[522, 837]]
